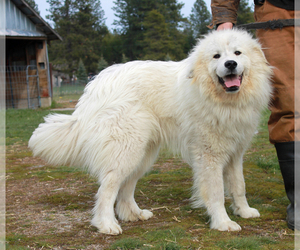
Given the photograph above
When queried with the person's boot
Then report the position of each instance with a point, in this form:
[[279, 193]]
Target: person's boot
[[286, 158]]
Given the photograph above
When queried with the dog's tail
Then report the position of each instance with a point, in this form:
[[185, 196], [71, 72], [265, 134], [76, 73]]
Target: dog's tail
[[54, 140]]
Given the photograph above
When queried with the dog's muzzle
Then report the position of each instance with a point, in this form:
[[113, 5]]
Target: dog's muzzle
[[231, 82]]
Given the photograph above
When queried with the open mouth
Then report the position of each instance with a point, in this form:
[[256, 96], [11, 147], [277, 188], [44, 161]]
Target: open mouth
[[231, 83]]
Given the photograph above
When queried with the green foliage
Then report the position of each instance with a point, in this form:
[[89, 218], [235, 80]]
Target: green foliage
[[245, 13], [81, 73], [171, 10], [102, 64], [112, 46], [124, 58], [81, 25], [156, 39], [145, 29], [167, 57], [200, 18], [135, 25], [33, 5], [131, 14], [189, 38]]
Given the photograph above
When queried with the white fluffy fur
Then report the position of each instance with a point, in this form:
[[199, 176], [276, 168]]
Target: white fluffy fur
[[130, 110]]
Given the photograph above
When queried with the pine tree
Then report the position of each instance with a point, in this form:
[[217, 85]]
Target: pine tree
[[189, 38], [81, 25], [168, 58], [245, 13], [124, 58], [102, 64], [33, 5], [156, 39], [132, 14], [200, 18], [171, 11], [112, 47], [81, 73]]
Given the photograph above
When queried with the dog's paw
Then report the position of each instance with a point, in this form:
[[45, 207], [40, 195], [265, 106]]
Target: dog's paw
[[227, 226], [247, 212], [145, 214], [129, 215], [107, 227], [131, 212]]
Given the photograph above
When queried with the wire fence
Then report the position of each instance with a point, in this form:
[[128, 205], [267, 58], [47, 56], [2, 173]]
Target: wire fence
[[26, 86], [22, 86]]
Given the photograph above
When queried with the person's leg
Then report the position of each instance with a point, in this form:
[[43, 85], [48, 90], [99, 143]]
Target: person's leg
[[285, 152], [278, 47]]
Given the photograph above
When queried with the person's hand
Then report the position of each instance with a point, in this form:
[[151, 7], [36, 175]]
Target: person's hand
[[225, 26]]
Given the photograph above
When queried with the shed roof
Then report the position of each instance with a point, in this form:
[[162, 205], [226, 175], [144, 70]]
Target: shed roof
[[23, 21]]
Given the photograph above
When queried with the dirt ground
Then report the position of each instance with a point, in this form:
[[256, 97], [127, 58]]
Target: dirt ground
[[66, 104], [29, 216]]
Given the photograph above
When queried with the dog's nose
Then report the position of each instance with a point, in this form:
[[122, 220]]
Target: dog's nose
[[230, 64]]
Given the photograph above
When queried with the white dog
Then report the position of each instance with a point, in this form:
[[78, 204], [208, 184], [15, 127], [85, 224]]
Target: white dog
[[205, 107]]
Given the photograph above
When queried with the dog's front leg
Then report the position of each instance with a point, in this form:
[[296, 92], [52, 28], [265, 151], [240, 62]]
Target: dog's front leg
[[209, 192], [235, 185]]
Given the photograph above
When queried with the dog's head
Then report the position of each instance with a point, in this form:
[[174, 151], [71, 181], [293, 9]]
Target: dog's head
[[229, 64]]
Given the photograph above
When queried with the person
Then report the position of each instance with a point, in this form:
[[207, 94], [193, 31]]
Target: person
[[277, 39]]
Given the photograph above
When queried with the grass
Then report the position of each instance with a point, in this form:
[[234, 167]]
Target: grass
[[247, 243], [164, 239], [20, 124], [50, 206], [68, 90]]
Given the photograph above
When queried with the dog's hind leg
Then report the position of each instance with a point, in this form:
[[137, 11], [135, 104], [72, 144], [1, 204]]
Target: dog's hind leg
[[235, 185], [124, 138], [124, 156], [104, 217], [126, 207]]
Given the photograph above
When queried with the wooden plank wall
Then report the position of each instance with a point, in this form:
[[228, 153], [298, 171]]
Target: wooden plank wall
[[43, 78]]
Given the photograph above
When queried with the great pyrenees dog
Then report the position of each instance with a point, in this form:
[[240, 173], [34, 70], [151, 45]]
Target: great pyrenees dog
[[205, 108]]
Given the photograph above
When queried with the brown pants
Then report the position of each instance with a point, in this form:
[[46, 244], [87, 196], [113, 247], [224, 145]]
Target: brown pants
[[278, 46]]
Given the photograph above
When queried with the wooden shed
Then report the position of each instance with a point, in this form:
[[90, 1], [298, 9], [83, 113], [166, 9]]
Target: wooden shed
[[28, 73]]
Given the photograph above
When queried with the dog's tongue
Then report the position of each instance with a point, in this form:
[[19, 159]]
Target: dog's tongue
[[231, 81]]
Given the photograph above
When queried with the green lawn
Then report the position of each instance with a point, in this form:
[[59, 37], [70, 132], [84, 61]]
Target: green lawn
[[67, 90]]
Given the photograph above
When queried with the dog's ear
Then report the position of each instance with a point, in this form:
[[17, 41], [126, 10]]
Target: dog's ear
[[259, 60], [258, 50]]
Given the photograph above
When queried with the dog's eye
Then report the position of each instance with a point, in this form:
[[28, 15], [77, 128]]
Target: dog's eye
[[237, 53], [216, 56]]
